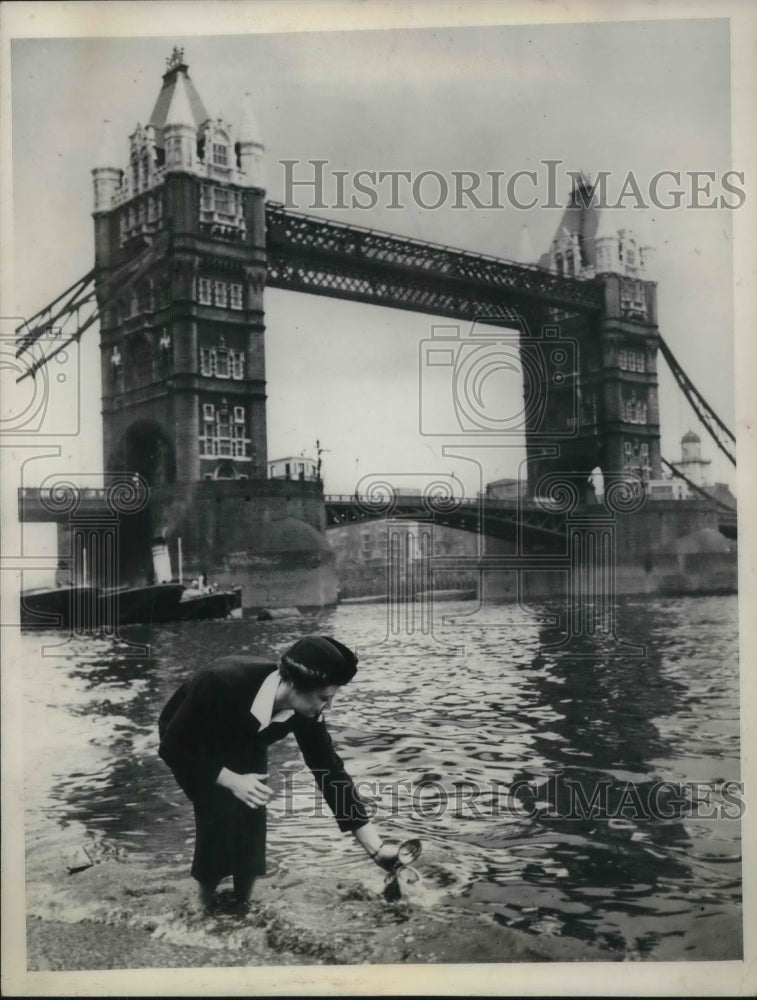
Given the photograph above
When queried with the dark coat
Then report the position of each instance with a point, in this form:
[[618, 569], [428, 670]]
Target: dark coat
[[207, 725]]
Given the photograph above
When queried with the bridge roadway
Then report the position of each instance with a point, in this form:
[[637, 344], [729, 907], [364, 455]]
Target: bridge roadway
[[526, 522]]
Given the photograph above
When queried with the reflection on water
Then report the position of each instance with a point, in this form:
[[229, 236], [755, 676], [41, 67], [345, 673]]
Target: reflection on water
[[525, 774]]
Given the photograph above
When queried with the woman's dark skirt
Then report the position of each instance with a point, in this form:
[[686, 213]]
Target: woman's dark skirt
[[230, 838]]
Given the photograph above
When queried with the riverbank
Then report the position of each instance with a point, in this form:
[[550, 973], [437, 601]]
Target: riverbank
[[121, 915]]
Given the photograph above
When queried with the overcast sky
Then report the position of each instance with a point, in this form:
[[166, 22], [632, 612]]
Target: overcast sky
[[637, 96]]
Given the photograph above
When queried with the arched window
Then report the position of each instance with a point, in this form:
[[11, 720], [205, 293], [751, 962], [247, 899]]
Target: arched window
[[220, 149], [144, 171], [138, 362]]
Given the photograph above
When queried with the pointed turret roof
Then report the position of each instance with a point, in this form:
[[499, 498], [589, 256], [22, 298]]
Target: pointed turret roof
[[248, 126], [177, 87], [580, 217], [107, 153], [180, 109]]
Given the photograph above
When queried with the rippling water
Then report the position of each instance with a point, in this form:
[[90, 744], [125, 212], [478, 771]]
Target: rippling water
[[477, 751]]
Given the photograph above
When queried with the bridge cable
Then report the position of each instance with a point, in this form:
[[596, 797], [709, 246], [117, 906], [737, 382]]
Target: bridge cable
[[699, 404], [696, 488], [83, 292]]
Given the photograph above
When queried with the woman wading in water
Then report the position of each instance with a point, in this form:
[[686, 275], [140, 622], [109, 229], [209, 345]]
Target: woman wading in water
[[214, 735]]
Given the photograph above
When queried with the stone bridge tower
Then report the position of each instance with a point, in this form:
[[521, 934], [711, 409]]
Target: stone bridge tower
[[183, 354], [614, 393], [182, 349]]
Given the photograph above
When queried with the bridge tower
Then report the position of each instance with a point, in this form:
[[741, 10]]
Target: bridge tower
[[614, 399], [182, 348]]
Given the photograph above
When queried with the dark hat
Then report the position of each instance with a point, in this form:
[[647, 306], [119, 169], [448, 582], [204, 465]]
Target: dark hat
[[323, 661]]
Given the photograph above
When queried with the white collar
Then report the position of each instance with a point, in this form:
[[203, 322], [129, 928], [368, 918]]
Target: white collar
[[262, 706]]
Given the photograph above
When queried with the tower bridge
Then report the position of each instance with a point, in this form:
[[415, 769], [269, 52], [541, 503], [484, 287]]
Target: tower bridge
[[185, 245]]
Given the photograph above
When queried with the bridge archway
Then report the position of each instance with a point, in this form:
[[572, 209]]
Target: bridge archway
[[146, 449]]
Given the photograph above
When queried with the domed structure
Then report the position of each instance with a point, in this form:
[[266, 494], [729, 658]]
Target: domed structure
[[290, 535], [703, 540]]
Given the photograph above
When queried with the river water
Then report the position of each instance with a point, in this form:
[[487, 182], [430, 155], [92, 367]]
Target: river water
[[476, 738]]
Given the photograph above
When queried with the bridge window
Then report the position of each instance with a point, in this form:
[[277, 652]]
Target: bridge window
[[221, 363], [144, 165], [222, 201], [632, 361], [224, 433], [235, 295], [632, 298], [221, 212], [205, 296], [220, 293], [139, 356]]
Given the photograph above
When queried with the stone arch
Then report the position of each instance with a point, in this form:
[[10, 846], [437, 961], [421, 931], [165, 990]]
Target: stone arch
[[225, 469], [147, 449]]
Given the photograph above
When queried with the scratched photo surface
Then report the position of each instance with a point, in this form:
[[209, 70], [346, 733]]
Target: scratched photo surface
[[422, 339]]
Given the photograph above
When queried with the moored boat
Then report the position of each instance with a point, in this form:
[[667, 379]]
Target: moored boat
[[155, 602], [223, 603], [65, 607]]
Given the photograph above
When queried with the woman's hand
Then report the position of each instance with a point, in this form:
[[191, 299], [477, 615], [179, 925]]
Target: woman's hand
[[382, 854], [248, 788], [386, 856]]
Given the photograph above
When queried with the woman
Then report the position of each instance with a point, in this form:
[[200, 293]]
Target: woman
[[214, 735]]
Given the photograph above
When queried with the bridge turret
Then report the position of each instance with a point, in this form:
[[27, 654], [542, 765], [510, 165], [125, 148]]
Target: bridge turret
[[180, 131], [106, 173], [607, 246], [251, 148]]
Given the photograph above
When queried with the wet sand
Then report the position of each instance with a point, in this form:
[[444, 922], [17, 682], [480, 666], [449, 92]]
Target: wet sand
[[121, 915]]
